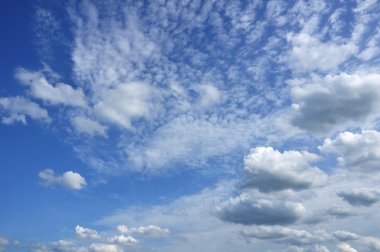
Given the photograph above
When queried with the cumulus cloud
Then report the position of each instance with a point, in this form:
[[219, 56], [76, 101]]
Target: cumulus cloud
[[248, 211], [323, 104], [345, 235], [86, 233], [71, 180], [270, 170], [127, 102], [308, 53], [358, 151], [360, 196], [104, 247], [60, 93], [122, 239], [17, 108], [88, 126], [345, 247]]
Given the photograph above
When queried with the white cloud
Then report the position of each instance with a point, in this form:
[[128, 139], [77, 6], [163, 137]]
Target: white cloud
[[86, 233], [17, 108], [357, 151], [335, 101], [209, 95], [104, 247], [60, 93], [127, 102], [61, 245], [69, 179], [270, 170], [149, 231], [283, 235], [88, 126], [4, 242], [122, 239], [345, 235], [122, 229], [345, 247], [309, 54], [246, 210]]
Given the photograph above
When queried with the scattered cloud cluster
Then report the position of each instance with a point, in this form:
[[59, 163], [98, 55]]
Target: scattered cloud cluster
[[173, 85]]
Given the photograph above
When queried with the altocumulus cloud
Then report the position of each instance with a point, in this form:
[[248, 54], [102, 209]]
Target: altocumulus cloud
[[70, 180]]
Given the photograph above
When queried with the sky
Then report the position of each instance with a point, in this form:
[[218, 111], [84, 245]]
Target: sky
[[177, 125]]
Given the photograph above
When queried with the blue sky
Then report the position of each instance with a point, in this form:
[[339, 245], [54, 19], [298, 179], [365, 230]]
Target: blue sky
[[190, 125]]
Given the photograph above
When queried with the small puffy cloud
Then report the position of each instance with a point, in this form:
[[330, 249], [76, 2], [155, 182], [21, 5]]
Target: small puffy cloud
[[345, 235], [122, 239], [324, 104], [309, 54], [345, 247], [270, 170], [85, 233], [88, 126], [127, 102], [104, 247], [69, 179], [58, 94], [247, 211], [17, 108], [122, 229], [360, 196], [359, 151]]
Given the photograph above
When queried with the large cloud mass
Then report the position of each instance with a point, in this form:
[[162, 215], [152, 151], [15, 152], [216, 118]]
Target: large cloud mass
[[324, 104], [270, 170]]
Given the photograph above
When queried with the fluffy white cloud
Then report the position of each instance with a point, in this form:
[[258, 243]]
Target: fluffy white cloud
[[248, 211], [309, 54], [360, 196], [127, 102], [335, 101], [359, 151], [122, 239], [104, 247], [17, 108], [345, 247], [88, 126], [60, 93], [86, 233], [345, 235], [69, 179], [151, 231], [270, 170]]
